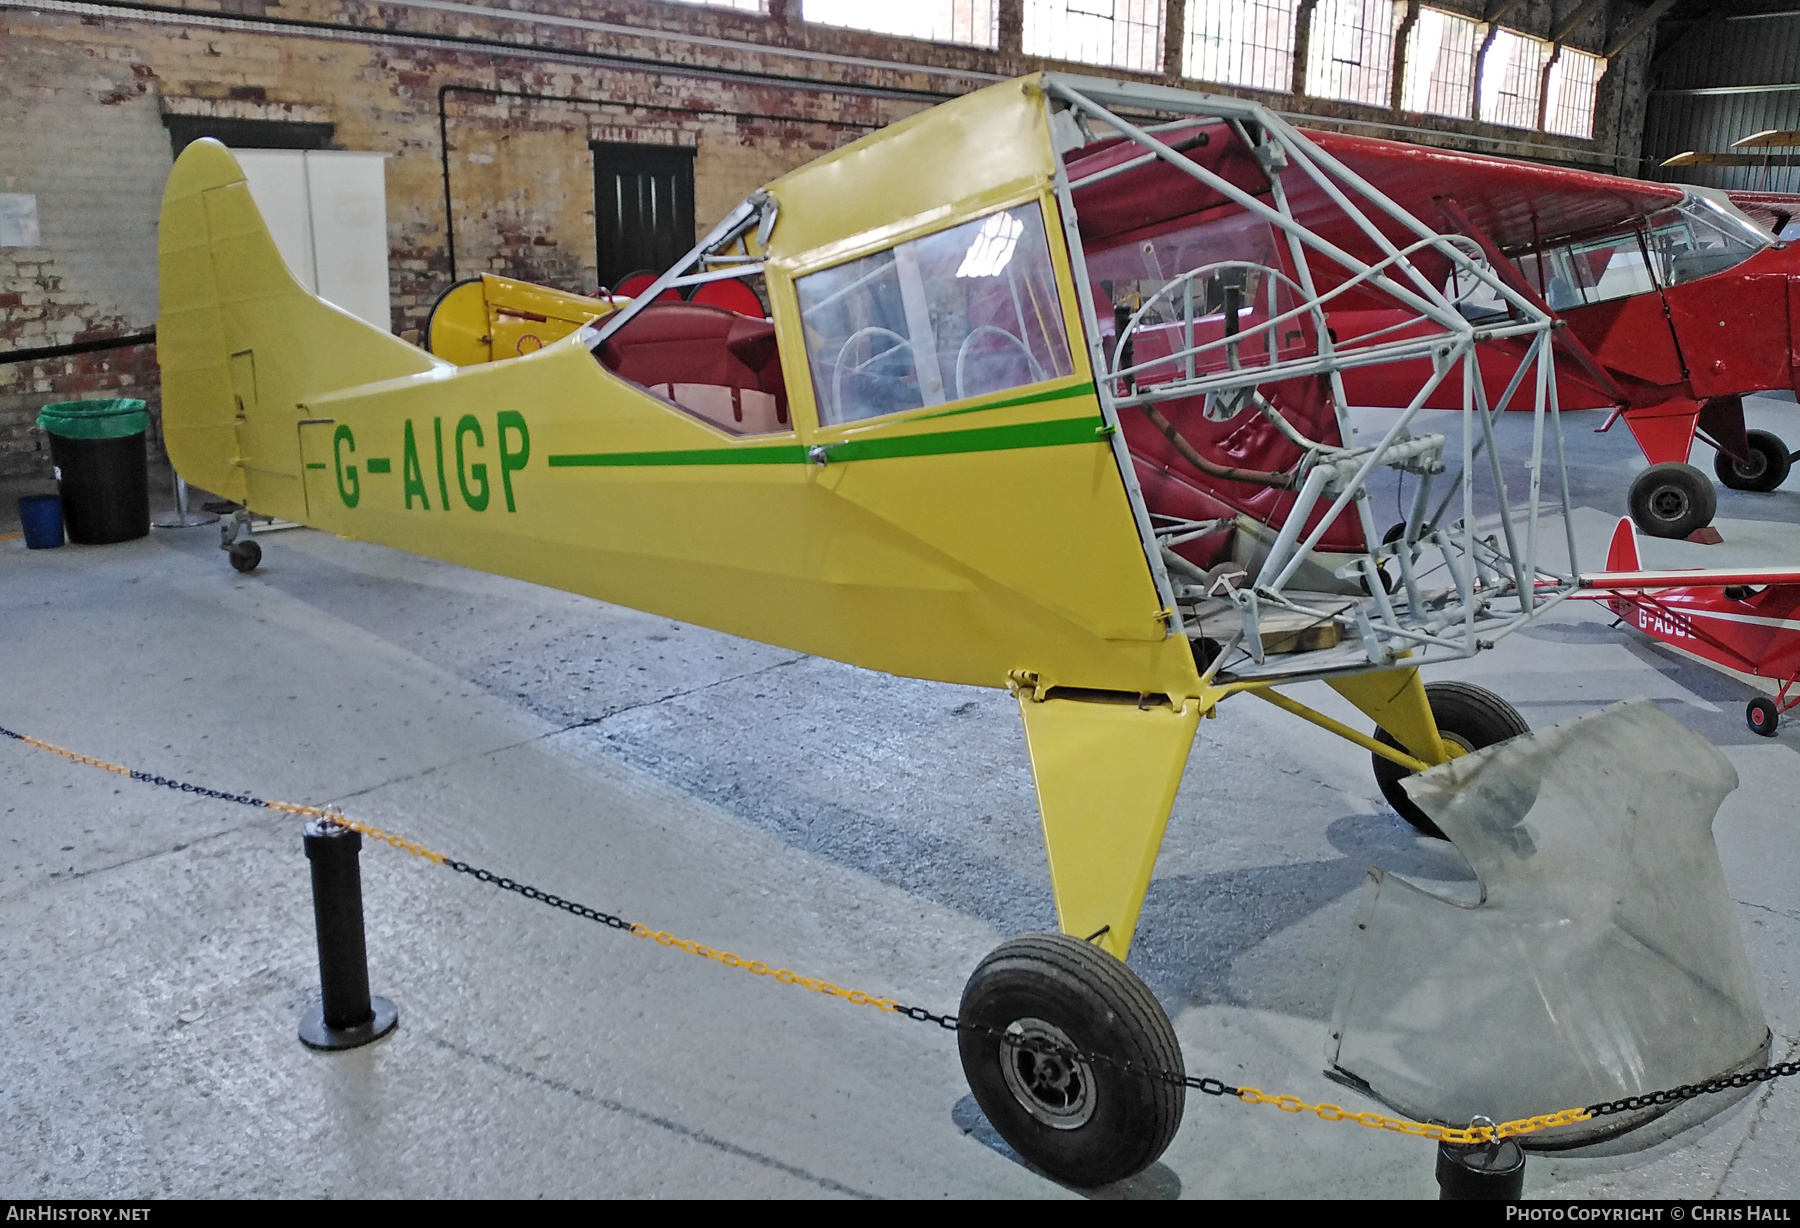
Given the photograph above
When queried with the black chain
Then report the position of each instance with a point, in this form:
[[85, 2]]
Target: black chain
[[242, 799], [950, 1023], [542, 897], [1687, 1091]]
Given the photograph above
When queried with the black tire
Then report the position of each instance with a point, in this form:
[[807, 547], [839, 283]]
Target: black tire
[[1473, 717], [1672, 500], [1762, 716], [1085, 1123], [245, 555], [1767, 468]]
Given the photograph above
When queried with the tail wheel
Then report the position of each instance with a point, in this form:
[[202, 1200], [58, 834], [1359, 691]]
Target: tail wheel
[[1766, 468], [245, 555], [1469, 718], [1672, 500], [1032, 1013], [1762, 716]]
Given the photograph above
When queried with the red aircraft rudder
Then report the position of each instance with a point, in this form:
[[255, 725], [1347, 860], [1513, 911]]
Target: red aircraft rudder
[[1622, 555]]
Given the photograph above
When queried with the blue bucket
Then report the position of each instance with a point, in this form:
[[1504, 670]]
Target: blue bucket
[[41, 518]]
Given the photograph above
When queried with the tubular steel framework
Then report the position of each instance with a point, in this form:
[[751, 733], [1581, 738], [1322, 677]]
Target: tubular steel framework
[[1497, 581]]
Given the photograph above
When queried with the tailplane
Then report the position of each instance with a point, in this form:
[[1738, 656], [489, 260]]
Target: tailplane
[[243, 345]]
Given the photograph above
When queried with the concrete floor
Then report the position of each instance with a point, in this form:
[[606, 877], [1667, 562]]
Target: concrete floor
[[874, 831]]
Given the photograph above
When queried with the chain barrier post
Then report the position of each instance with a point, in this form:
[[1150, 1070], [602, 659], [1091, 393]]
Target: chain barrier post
[[1493, 1171], [346, 1016]]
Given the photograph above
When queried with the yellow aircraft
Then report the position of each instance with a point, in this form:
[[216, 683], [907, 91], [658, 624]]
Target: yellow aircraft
[[1044, 398]]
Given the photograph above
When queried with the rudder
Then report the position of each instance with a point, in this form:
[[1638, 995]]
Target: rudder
[[242, 345], [1622, 554]]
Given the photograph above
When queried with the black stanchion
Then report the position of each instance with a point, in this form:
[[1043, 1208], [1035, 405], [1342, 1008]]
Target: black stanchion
[[346, 1015], [1481, 1172]]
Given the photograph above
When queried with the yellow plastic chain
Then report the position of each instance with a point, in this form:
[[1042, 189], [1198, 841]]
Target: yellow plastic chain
[[1417, 1129], [758, 968]]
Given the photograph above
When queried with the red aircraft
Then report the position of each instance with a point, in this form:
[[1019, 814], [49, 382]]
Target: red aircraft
[[1741, 621], [1677, 301]]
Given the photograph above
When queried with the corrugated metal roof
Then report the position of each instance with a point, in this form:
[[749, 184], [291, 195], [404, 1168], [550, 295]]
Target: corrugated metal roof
[[1761, 50]]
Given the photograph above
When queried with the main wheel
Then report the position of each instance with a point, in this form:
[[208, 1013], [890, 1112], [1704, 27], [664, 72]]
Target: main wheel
[[1766, 469], [1468, 718], [1672, 500], [1762, 716], [245, 555], [1071, 1058]]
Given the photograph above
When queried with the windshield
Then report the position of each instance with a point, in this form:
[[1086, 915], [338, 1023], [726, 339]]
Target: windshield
[[962, 313], [1700, 237]]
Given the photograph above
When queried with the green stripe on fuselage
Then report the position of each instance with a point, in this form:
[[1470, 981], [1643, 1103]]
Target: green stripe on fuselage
[[937, 443]]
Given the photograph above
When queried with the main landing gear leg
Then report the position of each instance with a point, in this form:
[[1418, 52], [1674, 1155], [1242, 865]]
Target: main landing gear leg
[[1067, 1052]]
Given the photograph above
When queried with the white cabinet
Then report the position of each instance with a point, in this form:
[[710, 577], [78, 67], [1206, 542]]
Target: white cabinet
[[327, 210]]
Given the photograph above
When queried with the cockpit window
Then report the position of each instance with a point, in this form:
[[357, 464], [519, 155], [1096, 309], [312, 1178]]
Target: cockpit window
[[961, 313], [1592, 270], [1689, 241]]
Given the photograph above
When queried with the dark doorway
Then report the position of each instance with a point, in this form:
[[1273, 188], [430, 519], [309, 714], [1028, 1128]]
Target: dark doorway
[[643, 208]]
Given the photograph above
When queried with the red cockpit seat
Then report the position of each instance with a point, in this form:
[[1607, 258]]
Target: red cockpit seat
[[712, 362]]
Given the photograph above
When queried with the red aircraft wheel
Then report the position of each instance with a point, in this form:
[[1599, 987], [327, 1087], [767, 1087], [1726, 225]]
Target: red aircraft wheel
[[1031, 1015], [1762, 716]]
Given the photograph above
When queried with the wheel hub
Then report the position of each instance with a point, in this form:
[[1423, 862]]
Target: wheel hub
[[1053, 1086], [1669, 503]]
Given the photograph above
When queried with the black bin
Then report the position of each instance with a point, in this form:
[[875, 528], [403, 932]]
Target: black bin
[[102, 471]]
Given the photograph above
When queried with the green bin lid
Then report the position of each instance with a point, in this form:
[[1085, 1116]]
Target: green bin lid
[[111, 419]]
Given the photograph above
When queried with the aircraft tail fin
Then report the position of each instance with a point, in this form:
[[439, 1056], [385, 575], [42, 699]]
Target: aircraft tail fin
[[243, 345], [1622, 555]]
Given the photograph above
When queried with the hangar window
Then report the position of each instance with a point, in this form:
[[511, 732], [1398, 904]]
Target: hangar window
[[1511, 76], [962, 313], [1116, 33], [1440, 64], [1569, 100], [975, 23], [1352, 50], [1241, 42]]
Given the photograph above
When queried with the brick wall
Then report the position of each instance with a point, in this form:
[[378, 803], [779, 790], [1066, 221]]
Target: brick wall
[[80, 128]]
